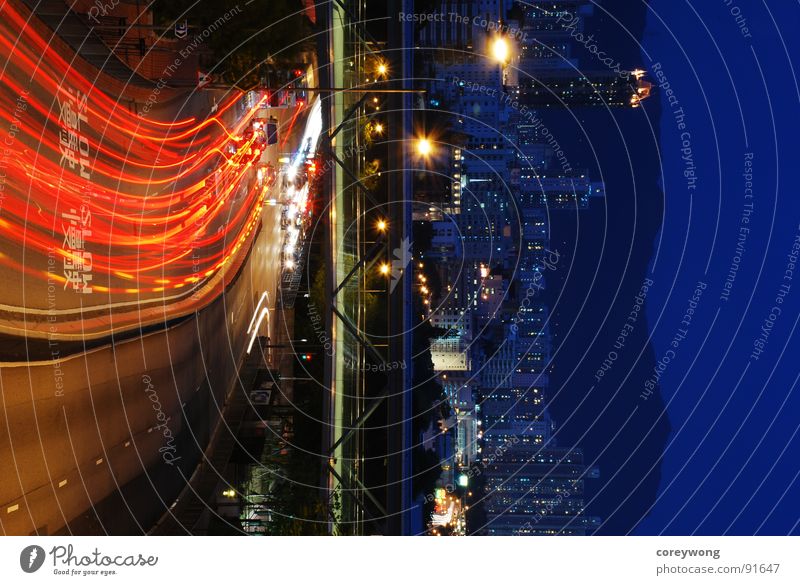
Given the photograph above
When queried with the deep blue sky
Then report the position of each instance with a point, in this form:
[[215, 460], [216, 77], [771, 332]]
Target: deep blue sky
[[731, 464], [723, 457]]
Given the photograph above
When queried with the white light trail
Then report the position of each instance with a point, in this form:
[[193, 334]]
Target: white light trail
[[264, 297], [264, 313]]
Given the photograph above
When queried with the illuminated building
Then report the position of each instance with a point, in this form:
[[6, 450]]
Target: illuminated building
[[574, 88], [537, 491], [557, 190]]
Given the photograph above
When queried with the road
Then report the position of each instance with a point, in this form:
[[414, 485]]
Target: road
[[76, 427]]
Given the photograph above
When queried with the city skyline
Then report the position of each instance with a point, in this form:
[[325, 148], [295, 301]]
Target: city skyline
[[403, 268]]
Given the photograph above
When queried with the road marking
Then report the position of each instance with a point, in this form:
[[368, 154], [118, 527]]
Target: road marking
[[127, 444], [99, 461], [62, 483], [13, 508]]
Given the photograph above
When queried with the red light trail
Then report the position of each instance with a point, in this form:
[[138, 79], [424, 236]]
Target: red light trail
[[160, 204]]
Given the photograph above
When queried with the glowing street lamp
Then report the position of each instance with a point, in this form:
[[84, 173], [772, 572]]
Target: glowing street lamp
[[424, 146], [382, 69], [378, 128], [501, 50], [384, 269], [381, 225]]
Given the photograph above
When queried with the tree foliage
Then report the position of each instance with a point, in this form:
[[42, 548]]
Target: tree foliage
[[258, 37]]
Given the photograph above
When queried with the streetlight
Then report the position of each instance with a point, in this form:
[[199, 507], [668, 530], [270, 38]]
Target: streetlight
[[384, 268], [378, 129], [500, 50], [424, 146], [382, 69], [381, 225]]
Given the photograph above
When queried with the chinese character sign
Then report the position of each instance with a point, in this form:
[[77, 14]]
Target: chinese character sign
[[78, 262], [73, 144]]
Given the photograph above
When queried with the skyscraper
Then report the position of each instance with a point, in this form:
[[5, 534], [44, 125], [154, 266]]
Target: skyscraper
[[573, 88], [492, 252], [557, 190], [537, 491]]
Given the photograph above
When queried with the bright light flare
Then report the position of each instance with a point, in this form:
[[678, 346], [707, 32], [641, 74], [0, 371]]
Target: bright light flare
[[424, 146], [501, 50]]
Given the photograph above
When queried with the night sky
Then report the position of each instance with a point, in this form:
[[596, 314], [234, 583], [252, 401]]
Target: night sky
[[721, 458]]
